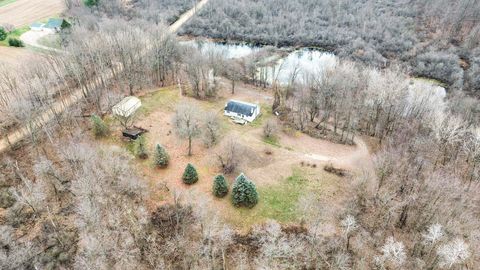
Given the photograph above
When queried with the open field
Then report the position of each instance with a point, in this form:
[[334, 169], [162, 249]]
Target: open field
[[14, 56], [25, 12], [283, 172]]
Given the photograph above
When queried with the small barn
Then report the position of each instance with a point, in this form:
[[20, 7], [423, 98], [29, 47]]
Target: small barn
[[127, 107], [242, 110]]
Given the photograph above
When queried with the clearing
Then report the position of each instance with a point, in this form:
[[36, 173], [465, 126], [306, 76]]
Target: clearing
[[25, 12], [284, 171]]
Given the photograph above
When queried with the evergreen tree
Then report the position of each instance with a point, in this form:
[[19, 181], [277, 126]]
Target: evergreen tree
[[190, 176], [161, 157], [90, 3], [15, 42], [100, 129], [244, 192], [141, 148], [220, 186], [3, 34]]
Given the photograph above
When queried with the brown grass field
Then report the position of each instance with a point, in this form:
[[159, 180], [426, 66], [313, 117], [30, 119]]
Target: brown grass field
[[14, 56], [284, 171], [25, 12]]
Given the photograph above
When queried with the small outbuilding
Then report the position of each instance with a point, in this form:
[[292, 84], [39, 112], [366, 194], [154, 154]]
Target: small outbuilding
[[242, 110], [127, 107]]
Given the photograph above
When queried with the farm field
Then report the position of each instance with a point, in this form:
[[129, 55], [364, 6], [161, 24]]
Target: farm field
[[15, 56], [25, 12]]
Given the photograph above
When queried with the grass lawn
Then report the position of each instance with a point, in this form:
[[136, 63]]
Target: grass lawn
[[165, 98], [280, 201], [6, 2], [15, 34]]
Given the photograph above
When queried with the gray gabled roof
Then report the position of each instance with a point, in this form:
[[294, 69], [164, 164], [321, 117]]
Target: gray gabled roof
[[240, 107], [54, 23]]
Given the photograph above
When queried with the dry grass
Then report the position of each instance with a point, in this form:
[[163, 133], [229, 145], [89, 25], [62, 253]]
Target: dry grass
[[276, 170]]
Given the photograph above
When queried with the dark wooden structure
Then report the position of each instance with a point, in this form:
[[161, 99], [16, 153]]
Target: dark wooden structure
[[133, 133]]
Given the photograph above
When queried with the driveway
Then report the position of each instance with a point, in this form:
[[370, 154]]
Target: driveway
[[31, 38]]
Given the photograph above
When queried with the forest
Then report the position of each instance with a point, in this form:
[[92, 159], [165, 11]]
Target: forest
[[430, 42], [70, 200]]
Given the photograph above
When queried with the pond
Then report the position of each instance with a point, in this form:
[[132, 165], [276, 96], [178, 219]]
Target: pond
[[230, 51], [299, 62]]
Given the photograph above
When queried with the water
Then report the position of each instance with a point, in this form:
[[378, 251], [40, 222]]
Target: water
[[299, 64], [230, 51], [302, 62]]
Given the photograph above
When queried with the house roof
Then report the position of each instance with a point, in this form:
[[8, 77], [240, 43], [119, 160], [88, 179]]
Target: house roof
[[54, 23], [37, 24], [240, 107]]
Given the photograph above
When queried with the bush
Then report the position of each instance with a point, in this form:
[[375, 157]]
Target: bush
[[161, 157], [141, 148], [15, 42], [3, 34], [190, 176], [100, 129], [244, 192], [270, 128], [220, 186]]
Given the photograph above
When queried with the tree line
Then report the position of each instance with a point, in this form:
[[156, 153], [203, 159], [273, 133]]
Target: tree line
[[435, 44]]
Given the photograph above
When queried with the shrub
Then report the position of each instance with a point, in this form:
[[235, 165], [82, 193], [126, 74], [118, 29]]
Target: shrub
[[244, 192], [3, 34], [270, 128], [100, 129], [161, 157], [141, 148], [220, 186], [190, 176], [15, 42]]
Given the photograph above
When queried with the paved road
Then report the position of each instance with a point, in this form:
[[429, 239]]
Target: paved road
[[61, 105]]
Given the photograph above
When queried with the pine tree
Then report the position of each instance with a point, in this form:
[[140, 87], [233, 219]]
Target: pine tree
[[161, 158], [141, 148], [90, 3], [3, 34], [244, 192], [100, 129], [190, 176], [220, 186]]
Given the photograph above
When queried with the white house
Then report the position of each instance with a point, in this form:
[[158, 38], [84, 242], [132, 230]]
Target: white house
[[52, 26], [37, 26], [127, 107], [242, 110]]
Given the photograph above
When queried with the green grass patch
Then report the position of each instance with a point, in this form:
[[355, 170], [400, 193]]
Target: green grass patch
[[280, 201], [6, 2], [272, 140], [266, 112], [163, 99], [15, 34]]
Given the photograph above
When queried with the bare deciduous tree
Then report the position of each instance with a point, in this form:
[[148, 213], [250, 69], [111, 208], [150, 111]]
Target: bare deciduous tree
[[187, 123]]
